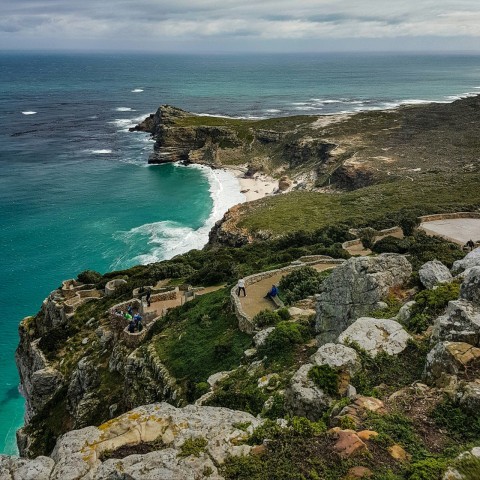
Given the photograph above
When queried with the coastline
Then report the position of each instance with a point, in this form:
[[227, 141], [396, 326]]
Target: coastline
[[258, 186]]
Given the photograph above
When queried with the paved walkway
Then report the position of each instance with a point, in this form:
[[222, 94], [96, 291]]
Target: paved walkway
[[458, 230], [254, 302]]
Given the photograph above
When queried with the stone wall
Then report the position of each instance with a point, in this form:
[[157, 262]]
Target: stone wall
[[113, 284]]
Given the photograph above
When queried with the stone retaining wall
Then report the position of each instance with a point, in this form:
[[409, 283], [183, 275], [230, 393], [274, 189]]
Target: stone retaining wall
[[245, 323], [113, 284], [448, 216]]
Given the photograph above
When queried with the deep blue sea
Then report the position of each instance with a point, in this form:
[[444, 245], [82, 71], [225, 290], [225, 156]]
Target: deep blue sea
[[76, 192]]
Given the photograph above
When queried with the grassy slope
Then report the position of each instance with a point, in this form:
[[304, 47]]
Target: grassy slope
[[311, 210]]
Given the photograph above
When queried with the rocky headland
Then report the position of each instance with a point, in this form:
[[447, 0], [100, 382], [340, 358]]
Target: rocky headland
[[371, 369]]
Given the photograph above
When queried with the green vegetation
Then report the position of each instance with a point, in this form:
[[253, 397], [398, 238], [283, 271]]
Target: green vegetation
[[267, 318], [469, 467], [394, 372], [193, 446], [460, 425], [200, 338], [379, 206], [89, 276], [325, 378], [429, 304], [301, 283], [421, 248]]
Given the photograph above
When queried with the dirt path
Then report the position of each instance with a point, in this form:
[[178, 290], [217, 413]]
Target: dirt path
[[254, 302]]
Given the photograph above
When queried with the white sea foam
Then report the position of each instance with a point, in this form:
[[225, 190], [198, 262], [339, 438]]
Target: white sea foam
[[167, 239], [125, 123], [124, 109], [29, 112], [137, 90], [104, 151], [272, 110]]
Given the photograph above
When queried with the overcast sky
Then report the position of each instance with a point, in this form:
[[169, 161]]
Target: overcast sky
[[235, 25]]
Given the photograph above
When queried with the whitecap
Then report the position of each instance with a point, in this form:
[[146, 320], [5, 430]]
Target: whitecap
[[167, 238], [272, 110], [104, 151], [29, 112], [137, 90], [124, 109]]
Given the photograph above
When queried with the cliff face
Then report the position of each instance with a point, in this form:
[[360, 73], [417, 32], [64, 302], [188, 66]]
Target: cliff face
[[76, 371]]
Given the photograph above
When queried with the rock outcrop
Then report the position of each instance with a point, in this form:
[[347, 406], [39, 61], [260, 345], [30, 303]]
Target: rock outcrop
[[337, 356], [472, 259], [153, 441], [354, 290], [434, 272], [376, 335]]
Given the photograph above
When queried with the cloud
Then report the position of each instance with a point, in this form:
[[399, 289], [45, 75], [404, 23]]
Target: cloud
[[123, 22]]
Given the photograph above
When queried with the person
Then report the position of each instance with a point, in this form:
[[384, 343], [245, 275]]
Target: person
[[130, 310], [137, 319], [149, 293], [470, 244], [131, 327], [272, 293], [241, 287], [128, 316]]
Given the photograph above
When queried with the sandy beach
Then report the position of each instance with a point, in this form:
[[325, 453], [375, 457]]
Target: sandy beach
[[258, 186]]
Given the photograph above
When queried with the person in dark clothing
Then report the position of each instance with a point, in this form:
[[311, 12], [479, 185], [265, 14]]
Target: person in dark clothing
[[149, 293], [470, 244], [131, 327], [130, 310], [272, 293]]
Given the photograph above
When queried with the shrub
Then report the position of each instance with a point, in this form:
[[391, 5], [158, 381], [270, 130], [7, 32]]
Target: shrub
[[201, 388], [301, 283], [427, 469], [193, 446], [283, 313], [469, 467], [89, 276], [391, 244], [283, 338], [325, 377], [408, 223], [266, 318], [429, 304], [367, 237]]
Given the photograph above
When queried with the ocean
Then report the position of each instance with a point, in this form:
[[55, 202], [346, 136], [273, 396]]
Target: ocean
[[76, 192]]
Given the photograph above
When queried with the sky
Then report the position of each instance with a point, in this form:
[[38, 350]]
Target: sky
[[240, 25]]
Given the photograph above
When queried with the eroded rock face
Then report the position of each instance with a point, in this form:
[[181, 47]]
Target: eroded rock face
[[354, 289], [377, 335], [470, 290], [470, 260], [450, 359], [470, 397], [304, 398], [78, 454], [460, 323], [434, 272]]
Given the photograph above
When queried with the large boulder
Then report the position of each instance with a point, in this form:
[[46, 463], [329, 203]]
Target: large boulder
[[305, 399], [14, 468], [337, 356], [469, 397], [450, 359], [434, 272], [460, 323], [470, 260], [470, 289], [354, 290], [211, 433], [376, 335]]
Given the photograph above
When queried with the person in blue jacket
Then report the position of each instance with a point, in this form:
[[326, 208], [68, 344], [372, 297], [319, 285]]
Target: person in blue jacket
[[272, 293]]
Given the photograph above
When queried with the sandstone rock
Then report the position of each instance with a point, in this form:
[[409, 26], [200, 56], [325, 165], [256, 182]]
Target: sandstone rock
[[434, 272], [470, 289], [460, 323], [78, 454], [366, 435], [304, 398], [398, 453], [284, 183], [450, 358], [261, 337], [337, 356], [348, 444], [470, 260], [14, 468], [377, 335], [358, 472], [354, 288], [356, 410]]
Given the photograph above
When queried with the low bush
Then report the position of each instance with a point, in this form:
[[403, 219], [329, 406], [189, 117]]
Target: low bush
[[266, 318], [301, 283], [429, 304], [469, 467], [325, 378], [367, 237], [89, 276], [281, 341]]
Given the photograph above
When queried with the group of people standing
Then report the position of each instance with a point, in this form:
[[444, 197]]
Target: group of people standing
[[134, 320]]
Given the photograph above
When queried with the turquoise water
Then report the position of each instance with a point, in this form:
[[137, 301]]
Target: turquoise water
[[75, 191]]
